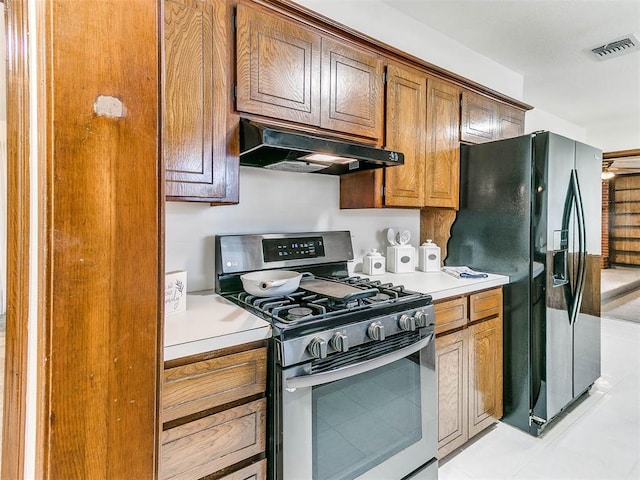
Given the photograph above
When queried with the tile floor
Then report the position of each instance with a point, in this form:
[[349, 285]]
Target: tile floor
[[599, 438]]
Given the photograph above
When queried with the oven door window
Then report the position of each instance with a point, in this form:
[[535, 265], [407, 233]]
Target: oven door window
[[361, 421]]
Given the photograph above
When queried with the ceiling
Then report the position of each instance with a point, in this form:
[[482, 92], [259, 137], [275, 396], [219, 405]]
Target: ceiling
[[549, 43]]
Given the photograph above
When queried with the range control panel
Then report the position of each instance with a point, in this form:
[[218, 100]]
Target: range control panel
[[278, 249]]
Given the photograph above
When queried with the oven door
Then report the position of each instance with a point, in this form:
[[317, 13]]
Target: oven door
[[372, 419]]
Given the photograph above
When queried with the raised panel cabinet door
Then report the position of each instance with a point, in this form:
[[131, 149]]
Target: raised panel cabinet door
[[352, 90], [442, 166], [278, 67], [207, 445], [406, 118], [452, 377], [195, 101], [510, 122], [485, 374], [479, 118]]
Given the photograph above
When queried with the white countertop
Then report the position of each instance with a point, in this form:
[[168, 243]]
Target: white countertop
[[439, 284], [210, 323]]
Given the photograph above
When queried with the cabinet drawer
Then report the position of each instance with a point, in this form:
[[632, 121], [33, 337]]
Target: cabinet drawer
[[206, 445], [195, 387], [255, 471], [450, 314], [485, 304]]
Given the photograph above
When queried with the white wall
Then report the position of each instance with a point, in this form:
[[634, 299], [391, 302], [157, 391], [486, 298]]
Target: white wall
[[614, 136], [273, 202], [290, 202], [384, 23], [537, 119]]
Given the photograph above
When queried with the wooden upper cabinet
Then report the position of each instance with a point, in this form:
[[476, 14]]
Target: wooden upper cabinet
[[406, 117], [442, 167], [510, 122], [291, 72], [479, 120], [278, 67], [484, 119], [196, 102], [352, 90]]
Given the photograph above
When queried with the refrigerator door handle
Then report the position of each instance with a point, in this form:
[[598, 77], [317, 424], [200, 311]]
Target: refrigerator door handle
[[574, 289], [566, 217], [582, 248]]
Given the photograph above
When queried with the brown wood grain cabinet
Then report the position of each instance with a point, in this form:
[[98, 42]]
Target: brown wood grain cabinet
[[468, 366], [484, 119], [214, 415], [422, 121], [479, 118], [452, 373], [352, 90], [442, 166], [195, 98], [278, 67], [288, 71], [510, 122], [485, 378], [406, 130]]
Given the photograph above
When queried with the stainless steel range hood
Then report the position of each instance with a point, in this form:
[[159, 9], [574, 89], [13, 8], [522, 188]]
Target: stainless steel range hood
[[280, 149]]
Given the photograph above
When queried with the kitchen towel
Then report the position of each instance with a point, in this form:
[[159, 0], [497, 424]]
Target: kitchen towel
[[463, 272]]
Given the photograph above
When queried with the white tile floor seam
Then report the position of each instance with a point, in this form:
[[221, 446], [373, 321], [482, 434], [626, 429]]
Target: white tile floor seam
[[597, 438]]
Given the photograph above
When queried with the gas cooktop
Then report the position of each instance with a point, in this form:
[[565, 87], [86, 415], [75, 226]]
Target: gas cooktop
[[305, 311]]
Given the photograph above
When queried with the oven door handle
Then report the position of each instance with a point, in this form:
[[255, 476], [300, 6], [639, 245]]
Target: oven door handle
[[305, 381]]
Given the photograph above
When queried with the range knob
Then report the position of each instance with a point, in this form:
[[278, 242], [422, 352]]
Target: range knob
[[317, 348], [340, 342], [407, 323], [422, 319], [376, 331]]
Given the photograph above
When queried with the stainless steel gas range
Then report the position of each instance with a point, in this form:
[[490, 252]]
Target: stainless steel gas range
[[352, 392]]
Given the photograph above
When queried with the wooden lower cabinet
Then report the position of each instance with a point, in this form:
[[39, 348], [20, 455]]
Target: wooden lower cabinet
[[468, 367], [255, 471], [485, 377], [452, 371], [214, 413]]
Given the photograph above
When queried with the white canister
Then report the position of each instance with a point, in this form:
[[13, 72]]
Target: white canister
[[373, 263], [401, 259], [429, 257]]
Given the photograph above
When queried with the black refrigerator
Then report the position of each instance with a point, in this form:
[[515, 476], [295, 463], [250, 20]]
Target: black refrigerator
[[530, 208]]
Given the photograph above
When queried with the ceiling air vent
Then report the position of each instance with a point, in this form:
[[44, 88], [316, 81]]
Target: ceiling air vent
[[615, 48]]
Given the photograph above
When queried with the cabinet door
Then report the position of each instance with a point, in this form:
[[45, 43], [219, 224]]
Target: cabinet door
[[405, 131], [479, 118], [195, 102], [442, 167], [510, 122], [195, 387], [450, 314], [485, 374], [206, 445], [452, 377], [255, 471], [278, 67], [352, 90]]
